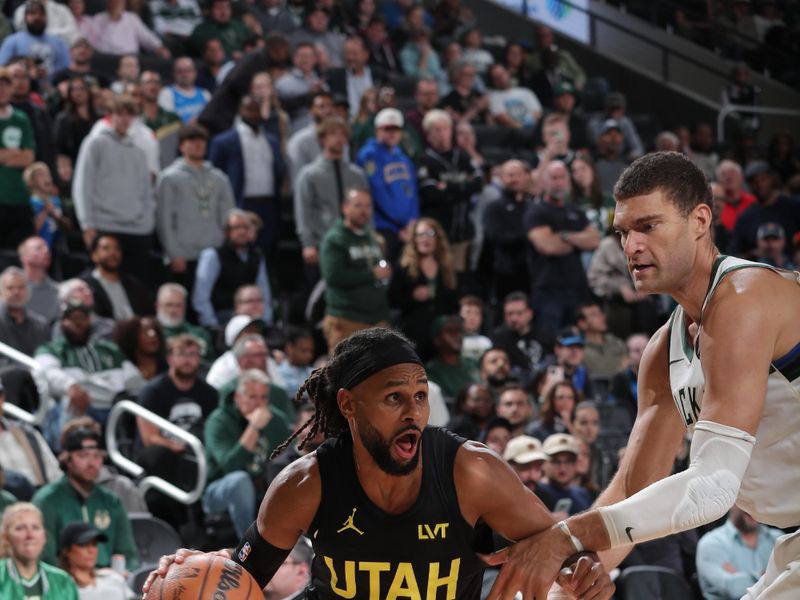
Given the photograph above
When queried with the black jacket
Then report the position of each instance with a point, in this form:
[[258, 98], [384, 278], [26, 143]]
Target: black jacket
[[452, 205], [142, 301]]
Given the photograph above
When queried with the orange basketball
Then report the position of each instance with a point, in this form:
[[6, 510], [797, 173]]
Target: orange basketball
[[205, 577]]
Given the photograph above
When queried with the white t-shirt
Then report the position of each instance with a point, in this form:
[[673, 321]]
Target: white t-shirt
[[519, 103]]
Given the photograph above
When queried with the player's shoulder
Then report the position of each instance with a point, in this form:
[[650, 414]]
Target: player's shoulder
[[654, 366], [475, 465], [296, 492], [746, 291], [301, 474]]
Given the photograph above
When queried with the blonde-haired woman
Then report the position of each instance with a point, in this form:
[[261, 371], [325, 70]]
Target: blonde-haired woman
[[424, 285], [22, 574]]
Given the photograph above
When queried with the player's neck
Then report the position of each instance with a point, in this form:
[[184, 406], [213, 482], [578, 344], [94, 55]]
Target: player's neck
[[693, 293], [393, 494]]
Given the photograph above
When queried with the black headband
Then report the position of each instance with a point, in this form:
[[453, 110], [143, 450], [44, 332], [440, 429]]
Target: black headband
[[382, 354]]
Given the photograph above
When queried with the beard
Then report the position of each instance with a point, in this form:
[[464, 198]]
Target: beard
[[166, 321], [380, 450], [36, 29]]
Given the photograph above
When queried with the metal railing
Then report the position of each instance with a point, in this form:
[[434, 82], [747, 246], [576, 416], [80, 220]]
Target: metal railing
[[151, 481], [45, 401], [729, 109]]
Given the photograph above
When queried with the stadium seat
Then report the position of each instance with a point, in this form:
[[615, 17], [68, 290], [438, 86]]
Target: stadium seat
[[491, 136], [139, 576], [154, 538], [404, 85], [653, 583]]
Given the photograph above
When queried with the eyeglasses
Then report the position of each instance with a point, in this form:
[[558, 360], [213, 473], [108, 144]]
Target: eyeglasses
[[428, 233]]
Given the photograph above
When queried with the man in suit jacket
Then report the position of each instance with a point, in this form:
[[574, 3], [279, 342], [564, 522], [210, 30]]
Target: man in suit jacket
[[252, 159], [352, 80], [117, 295]]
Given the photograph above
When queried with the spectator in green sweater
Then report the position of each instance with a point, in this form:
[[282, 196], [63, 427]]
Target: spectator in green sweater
[[356, 275], [449, 369], [239, 436], [222, 25], [78, 497]]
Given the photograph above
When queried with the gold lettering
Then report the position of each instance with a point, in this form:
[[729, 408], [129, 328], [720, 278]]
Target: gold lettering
[[424, 531], [404, 584], [349, 578], [374, 569], [435, 582]]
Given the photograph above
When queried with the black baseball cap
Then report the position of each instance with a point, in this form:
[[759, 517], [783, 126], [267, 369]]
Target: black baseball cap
[[79, 533], [82, 438]]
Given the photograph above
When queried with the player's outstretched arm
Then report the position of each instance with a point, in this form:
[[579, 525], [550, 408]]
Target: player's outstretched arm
[[489, 490], [533, 563]]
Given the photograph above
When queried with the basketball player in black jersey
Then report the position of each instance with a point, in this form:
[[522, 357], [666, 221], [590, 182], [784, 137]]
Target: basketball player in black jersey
[[390, 505]]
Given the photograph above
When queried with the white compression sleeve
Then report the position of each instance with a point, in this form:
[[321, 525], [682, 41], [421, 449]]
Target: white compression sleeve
[[702, 493]]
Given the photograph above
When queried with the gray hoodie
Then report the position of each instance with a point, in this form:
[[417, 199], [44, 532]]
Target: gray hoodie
[[192, 207], [111, 187]]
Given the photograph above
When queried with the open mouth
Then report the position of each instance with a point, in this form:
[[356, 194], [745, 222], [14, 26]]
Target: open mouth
[[639, 269], [406, 444]]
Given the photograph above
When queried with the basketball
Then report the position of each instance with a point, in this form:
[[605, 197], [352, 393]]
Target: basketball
[[205, 577]]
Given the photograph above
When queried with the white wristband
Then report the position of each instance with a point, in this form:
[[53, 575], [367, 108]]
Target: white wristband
[[576, 543]]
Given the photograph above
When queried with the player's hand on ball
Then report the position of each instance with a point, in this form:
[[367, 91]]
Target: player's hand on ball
[[165, 562]]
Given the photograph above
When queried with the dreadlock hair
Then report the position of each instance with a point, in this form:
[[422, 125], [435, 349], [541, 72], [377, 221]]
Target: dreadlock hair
[[323, 384]]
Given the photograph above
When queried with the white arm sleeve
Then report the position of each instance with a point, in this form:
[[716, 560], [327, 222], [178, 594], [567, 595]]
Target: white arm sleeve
[[702, 493]]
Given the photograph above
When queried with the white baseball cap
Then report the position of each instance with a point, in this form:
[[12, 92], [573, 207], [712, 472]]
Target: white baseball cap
[[388, 117]]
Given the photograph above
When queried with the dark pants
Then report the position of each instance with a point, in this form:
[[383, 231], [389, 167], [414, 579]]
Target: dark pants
[[392, 245], [554, 309], [136, 257], [186, 279], [16, 224], [269, 209], [178, 469]]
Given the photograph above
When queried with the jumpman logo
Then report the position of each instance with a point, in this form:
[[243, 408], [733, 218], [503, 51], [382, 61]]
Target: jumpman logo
[[348, 524]]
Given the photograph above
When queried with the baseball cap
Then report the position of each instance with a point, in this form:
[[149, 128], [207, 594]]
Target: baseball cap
[[441, 321], [388, 117], [610, 124], [69, 306], [570, 337], [79, 533], [563, 87], [524, 449], [560, 442], [80, 41], [82, 438], [756, 167], [238, 324], [34, 6], [770, 230], [615, 100]]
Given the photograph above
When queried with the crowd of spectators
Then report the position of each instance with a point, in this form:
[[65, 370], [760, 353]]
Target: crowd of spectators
[[761, 33], [197, 234]]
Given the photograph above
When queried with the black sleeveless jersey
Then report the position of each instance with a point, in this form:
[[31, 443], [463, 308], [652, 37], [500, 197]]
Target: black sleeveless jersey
[[425, 553]]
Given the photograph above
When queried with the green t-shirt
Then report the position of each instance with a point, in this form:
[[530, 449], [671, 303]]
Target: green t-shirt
[[453, 378], [16, 133], [163, 119]]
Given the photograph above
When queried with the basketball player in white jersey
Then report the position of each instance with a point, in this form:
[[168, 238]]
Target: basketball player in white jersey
[[726, 365]]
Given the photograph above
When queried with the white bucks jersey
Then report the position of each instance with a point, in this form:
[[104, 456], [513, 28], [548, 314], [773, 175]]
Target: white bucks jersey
[[770, 489]]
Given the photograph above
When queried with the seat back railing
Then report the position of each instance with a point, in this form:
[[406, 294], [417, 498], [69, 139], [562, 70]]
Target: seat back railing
[[148, 482], [17, 412]]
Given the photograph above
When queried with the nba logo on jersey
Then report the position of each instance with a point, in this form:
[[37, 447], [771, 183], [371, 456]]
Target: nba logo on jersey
[[244, 552]]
